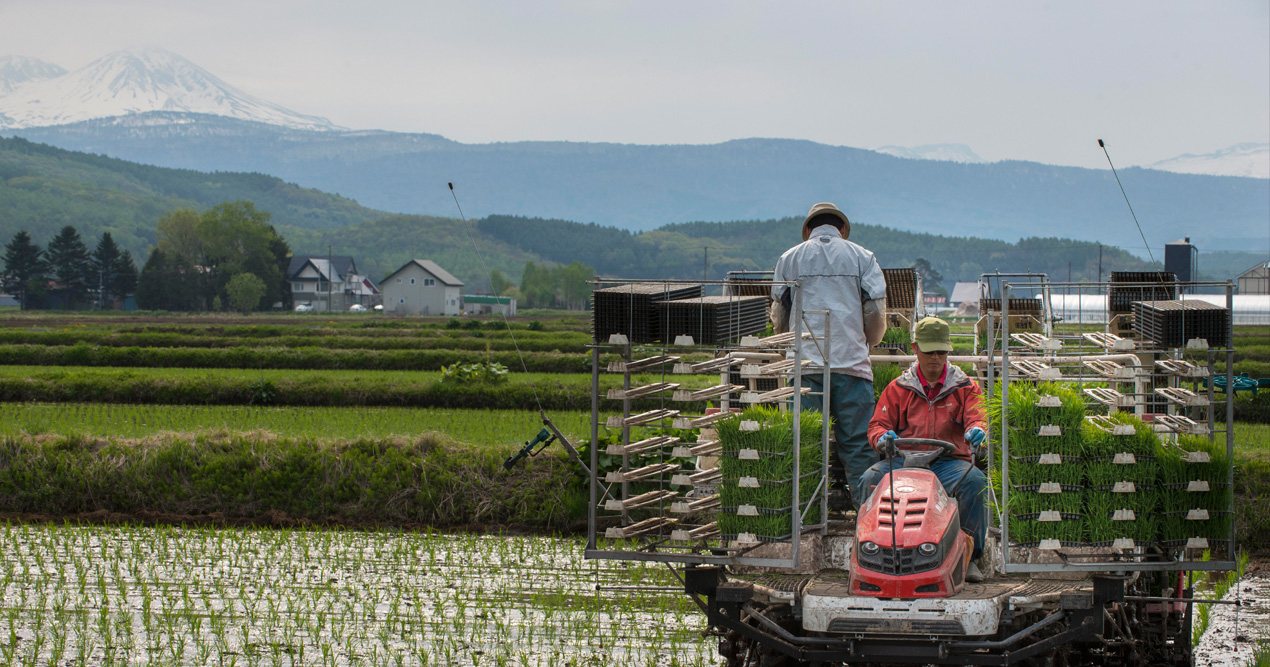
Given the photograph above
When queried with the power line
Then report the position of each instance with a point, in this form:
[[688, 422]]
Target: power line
[[1126, 198]]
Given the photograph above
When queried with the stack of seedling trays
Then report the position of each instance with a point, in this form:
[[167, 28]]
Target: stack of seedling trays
[[1019, 306], [1174, 323], [1195, 503], [1045, 498], [713, 320], [1121, 494], [757, 466], [631, 310], [1129, 286], [901, 289], [750, 283]]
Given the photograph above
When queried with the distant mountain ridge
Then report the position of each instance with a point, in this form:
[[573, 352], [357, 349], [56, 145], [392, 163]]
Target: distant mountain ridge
[[17, 70], [644, 187], [34, 94], [941, 152], [1247, 160]]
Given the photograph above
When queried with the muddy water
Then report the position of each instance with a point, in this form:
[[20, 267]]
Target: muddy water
[[173, 596], [1234, 632]]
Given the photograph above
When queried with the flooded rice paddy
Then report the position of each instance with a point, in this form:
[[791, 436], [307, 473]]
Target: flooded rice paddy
[[101, 595]]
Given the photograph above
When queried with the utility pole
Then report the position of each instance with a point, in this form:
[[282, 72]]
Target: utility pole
[[1099, 262], [330, 276]]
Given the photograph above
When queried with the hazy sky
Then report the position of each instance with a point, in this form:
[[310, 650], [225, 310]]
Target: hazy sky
[[1013, 80]]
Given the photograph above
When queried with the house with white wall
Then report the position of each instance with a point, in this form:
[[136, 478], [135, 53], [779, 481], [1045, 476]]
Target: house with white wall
[[329, 283], [420, 287]]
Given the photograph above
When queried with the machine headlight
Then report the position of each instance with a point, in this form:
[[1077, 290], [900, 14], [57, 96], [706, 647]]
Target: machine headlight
[[928, 549], [869, 548]]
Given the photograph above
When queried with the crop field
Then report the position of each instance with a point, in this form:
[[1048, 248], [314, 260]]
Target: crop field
[[477, 427], [178, 596]]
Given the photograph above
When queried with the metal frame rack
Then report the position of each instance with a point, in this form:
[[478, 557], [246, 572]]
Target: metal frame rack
[[1130, 372], [651, 508]]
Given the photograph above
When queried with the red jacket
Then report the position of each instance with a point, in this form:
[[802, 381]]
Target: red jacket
[[904, 408]]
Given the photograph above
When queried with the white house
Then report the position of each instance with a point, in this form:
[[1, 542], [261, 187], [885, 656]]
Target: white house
[[1255, 280], [421, 288], [329, 283]]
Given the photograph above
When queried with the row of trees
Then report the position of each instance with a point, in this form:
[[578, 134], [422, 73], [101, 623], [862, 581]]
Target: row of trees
[[542, 286], [201, 262], [228, 256], [66, 274]]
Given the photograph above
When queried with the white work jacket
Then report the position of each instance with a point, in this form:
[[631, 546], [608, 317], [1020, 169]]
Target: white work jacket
[[837, 275]]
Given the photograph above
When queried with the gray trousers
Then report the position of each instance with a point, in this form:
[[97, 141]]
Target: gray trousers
[[851, 405]]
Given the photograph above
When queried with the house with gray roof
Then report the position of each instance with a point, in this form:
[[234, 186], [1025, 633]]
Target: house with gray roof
[[420, 287], [329, 283]]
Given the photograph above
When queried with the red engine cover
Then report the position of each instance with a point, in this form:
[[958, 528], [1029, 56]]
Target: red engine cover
[[922, 513]]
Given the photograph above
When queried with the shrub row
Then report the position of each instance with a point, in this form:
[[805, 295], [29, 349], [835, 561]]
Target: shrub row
[[83, 354], [330, 339], [430, 480], [139, 388], [1248, 408]]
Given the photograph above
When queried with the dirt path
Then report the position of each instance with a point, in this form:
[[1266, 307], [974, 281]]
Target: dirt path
[[1234, 632]]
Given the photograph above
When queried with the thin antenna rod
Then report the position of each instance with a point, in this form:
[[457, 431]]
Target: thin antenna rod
[[1126, 201], [489, 276]]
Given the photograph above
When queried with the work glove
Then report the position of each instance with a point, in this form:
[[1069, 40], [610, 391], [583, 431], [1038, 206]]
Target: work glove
[[975, 437], [886, 445]]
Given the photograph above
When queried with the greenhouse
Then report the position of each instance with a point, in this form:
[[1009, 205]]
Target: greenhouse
[[1092, 308]]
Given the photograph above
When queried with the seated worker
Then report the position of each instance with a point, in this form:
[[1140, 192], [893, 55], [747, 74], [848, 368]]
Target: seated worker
[[934, 399]]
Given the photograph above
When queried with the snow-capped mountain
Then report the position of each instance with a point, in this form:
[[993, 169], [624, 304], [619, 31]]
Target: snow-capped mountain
[[17, 70], [1252, 160], [943, 152], [129, 82]]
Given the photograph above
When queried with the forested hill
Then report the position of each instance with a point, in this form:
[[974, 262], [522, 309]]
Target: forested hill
[[642, 187], [44, 188], [678, 251]]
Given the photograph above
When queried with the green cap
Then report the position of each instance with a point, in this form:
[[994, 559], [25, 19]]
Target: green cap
[[931, 335]]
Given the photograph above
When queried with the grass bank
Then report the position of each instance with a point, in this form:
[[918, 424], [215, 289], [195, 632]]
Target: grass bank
[[427, 480], [522, 391]]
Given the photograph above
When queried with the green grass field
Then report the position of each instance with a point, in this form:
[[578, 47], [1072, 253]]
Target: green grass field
[[477, 427]]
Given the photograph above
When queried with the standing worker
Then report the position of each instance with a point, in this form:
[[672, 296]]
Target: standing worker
[[937, 400], [843, 278]]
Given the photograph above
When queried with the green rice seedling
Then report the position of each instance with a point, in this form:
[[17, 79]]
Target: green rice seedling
[[883, 375], [1030, 531], [1102, 528], [1030, 471], [1193, 483], [1104, 471], [1031, 502]]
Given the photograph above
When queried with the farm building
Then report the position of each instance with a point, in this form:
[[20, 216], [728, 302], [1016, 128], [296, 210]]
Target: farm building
[[329, 283], [475, 304], [1255, 280], [420, 287], [963, 292]]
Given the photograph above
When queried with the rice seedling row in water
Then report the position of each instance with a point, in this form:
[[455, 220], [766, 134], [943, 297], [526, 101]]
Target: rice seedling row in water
[[176, 596]]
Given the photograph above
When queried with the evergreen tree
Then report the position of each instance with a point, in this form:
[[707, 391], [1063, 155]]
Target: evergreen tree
[[126, 276], [72, 266], [168, 282], [24, 264], [106, 261]]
